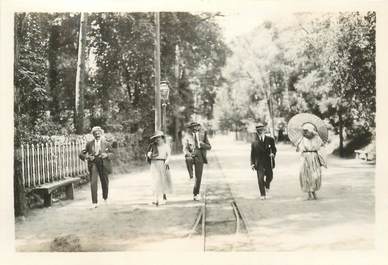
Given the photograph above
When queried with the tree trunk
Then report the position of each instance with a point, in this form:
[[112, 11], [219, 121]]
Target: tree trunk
[[19, 21], [341, 136], [53, 79], [270, 109], [176, 134], [176, 110], [271, 118], [80, 79], [105, 96], [286, 99], [20, 206]]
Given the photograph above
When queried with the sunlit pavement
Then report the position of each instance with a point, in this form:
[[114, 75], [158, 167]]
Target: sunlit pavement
[[341, 219], [127, 222]]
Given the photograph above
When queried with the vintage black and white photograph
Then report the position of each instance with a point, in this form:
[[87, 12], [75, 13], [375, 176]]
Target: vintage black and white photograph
[[222, 131]]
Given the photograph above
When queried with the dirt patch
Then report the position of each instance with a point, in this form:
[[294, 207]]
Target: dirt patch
[[69, 243]]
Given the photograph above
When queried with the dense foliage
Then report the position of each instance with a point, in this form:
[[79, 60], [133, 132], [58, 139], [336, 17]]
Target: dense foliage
[[319, 63], [119, 90]]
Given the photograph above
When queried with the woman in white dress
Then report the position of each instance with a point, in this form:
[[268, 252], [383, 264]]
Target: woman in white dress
[[310, 175], [158, 155]]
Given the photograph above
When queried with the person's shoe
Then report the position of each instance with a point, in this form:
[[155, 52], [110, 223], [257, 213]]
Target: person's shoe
[[94, 205], [262, 197], [155, 203], [196, 198], [164, 197], [314, 195], [267, 196]]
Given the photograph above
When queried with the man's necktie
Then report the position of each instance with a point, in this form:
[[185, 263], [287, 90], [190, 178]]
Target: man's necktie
[[196, 140], [97, 147]]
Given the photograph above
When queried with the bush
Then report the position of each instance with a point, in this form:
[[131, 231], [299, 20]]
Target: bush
[[357, 142]]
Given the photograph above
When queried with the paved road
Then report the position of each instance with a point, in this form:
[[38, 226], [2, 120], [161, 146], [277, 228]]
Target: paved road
[[343, 217], [128, 222]]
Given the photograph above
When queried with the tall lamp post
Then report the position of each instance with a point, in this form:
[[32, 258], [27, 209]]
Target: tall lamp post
[[157, 73], [164, 93]]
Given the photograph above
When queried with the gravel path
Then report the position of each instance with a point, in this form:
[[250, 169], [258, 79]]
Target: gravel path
[[342, 218]]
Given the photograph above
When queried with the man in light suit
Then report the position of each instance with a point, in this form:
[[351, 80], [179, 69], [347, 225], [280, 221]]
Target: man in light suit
[[195, 146], [98, 154], [263, 153]]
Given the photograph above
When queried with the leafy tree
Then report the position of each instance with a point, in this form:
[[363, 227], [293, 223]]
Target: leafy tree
[[119, 92], [323, 63], [343, 81]]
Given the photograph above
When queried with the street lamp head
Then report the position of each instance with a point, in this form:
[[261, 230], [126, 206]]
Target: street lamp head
[[164, 90]]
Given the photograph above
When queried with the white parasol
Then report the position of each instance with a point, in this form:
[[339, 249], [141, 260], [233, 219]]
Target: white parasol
[[295, 131]]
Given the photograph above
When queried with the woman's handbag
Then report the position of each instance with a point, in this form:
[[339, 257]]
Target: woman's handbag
[[148, 159], [168, 179], [322, 161]]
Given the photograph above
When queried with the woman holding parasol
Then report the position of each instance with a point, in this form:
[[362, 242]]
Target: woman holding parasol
[[308, 133]]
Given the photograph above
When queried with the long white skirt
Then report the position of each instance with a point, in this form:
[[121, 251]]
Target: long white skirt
[[161, 178], [310, 175]]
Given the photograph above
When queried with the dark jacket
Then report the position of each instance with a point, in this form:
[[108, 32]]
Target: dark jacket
[[260, 153], [153, 148], [197, 153], [104, 148]]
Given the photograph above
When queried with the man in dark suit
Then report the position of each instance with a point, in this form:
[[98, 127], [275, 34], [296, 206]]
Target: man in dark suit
[[263, 153], [195, 146], [98, 154]]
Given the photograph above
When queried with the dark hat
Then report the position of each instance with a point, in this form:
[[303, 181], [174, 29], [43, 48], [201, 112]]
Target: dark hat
[[157, 134], [259, 125], [193, 124]]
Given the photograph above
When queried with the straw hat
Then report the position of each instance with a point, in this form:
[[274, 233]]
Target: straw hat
[[260, 125], [306, 121], [193, 124], [97, 128], [157, 134]]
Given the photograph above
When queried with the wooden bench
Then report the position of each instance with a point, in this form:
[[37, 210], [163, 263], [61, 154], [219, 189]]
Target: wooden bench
[[46, 189], [365, 155], [360, 154]]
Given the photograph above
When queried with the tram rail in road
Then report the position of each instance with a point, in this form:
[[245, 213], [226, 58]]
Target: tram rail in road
[[222, 225]]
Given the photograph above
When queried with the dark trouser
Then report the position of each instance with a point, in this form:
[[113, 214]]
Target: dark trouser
[[98, 170], [189, 165], [264, 177], [198, 167]]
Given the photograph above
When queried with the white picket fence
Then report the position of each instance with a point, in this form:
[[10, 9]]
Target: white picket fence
[[44, 163]]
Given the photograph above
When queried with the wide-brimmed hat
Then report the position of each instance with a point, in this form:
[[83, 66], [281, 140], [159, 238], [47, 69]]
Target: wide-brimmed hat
[[296, 125], [193, 124], [259, 125], [97, 128], [157, 134]]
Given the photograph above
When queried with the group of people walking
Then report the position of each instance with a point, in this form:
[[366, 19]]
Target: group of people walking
[[263, 152], [195, 147], [308, 142]]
